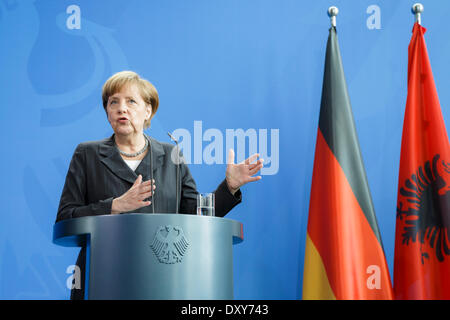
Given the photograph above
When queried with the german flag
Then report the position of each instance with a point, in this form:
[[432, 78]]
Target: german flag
[[344, 257], [422, 240]]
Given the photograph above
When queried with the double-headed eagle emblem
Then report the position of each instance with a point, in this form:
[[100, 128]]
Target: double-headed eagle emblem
[[169, 244]]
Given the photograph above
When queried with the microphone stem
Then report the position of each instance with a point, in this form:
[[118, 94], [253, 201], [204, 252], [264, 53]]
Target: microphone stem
[[178, 173], [178, 168], [151, 174]]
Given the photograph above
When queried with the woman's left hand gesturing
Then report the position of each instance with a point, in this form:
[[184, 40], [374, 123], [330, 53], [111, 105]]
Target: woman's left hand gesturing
[[239, 174]]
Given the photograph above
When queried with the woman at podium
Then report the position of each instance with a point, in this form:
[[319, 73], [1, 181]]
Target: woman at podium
[[132, 172]]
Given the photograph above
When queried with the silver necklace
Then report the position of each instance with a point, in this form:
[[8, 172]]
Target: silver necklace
[[132, 155]]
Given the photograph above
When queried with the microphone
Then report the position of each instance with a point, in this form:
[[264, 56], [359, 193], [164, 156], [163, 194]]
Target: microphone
[[178, 165], [151, 171]]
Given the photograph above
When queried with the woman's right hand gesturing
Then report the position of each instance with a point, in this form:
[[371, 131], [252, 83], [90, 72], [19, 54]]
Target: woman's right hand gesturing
[[135, 197]]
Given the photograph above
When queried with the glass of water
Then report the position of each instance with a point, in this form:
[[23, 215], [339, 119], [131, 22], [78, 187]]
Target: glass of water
[[205, 204]]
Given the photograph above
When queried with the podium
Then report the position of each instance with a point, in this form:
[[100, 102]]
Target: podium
[[154, 256]]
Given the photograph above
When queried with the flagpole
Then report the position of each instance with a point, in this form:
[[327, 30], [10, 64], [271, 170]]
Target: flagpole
[[332, 13], [417, 9]]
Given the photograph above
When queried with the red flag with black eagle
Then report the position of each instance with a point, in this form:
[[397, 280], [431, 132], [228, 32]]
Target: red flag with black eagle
[[422, 240]]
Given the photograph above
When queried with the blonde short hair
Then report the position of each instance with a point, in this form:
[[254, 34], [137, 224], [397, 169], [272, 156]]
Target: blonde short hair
[[117, 81]]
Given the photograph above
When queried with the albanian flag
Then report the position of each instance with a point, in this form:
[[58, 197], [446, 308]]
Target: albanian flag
[[344, 257], [422, 239]]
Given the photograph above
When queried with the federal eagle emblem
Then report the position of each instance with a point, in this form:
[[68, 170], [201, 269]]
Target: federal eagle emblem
[[169, 244]]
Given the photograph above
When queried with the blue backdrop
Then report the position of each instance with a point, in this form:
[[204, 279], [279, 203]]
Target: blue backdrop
[[254, 65]]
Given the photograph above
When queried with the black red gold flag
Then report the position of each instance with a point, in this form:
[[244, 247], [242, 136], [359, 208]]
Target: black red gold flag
[[344, 257]]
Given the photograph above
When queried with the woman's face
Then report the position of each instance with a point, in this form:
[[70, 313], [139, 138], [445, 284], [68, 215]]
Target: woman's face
[[127, 111]]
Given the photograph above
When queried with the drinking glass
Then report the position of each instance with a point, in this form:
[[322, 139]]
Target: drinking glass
[[205, 204]]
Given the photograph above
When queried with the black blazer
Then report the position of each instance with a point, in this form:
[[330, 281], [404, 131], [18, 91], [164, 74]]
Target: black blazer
[[97, 174]]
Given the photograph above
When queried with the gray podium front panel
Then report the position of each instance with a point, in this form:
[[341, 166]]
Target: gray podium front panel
[[154, 256]]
